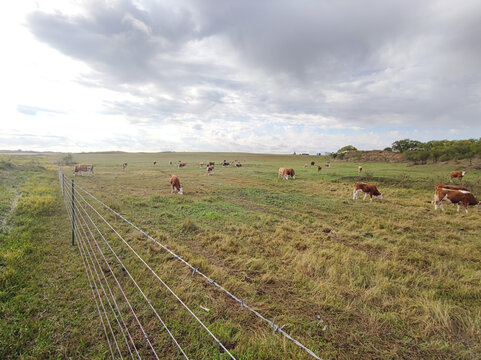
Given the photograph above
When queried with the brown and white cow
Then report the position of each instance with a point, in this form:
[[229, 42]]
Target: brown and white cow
[[155, 163], [457, 174], [367, 189], [182, 164], [225, 164], [285, 173], [450, 187], [175, 183], [80, 168], [328, 165], [312, 163], [359, 169], [124, 166], [319, 168], [456, 197], [201, 164], [211, 163], [170, 163], [238, 165], [305, 166], [210, 169]]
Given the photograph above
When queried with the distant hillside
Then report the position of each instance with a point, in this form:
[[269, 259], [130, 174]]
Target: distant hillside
[[372, 155]]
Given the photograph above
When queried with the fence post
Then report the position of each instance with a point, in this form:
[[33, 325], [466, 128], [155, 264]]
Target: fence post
[[63, 185], [73, 213]]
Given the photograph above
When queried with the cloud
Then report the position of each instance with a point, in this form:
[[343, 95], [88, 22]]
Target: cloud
[[263, 68]]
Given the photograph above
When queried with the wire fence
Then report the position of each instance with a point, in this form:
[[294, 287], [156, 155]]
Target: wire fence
[[131, 321]]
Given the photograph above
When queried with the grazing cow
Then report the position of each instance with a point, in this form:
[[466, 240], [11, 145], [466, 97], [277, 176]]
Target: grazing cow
[[201, 164], [175, 182], [456, 197], [211, 163], [319, 168], [210, 169], [238, 165], [359, 169], [312, 163], [170, 163], [124, 166], [305, 166], [449, 187], [155, 162], [328, 165], [285, 173], [181, 165], [225, 164], [457, 174], [367, 189], [80, 168]]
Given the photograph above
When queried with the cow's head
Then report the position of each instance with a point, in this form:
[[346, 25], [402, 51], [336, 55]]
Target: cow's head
[[380, 196], [463, 173], [181, 191]]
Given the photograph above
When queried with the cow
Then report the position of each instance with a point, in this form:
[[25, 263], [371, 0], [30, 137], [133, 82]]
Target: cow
[[457, 174], [312, 163], [449, 187], [238, 165], [456, 197], [285, 173], [155, 163], [181, 165], [124, 166], [225, 164], [170, 163], [80, 168], [175, 183], [305, 166], [211, 163], [367, 189], [328, 165], [359, 169], [201, 164], [319, 168], [210, 169]]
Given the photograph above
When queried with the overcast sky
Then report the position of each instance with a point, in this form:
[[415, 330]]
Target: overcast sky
[[267, 76]]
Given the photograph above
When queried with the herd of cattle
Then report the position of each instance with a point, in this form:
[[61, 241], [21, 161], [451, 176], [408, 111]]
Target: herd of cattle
[[455, 194]]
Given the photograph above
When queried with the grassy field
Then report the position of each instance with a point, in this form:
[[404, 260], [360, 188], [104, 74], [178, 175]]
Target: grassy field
[[349, 279]]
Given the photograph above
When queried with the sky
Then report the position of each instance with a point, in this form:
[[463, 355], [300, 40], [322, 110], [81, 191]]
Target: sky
[[269, 76]]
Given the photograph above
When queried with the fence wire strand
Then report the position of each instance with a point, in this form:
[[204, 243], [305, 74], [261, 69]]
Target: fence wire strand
[[272, 324]]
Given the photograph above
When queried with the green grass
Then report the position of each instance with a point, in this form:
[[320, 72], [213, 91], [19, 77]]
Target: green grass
[[389, 279]]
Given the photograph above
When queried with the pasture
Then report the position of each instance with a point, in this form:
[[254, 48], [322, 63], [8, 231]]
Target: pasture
[[348, 279]]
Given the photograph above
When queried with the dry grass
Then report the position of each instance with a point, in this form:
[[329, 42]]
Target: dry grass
[[388, 279]]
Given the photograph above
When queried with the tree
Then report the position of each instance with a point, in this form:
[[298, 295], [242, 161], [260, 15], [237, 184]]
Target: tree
[[406, 144], [346, 149]]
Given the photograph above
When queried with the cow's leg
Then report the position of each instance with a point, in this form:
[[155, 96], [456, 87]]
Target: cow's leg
[[365, 196], [354, 195], [370, 196], [172, 189], [441, 205]]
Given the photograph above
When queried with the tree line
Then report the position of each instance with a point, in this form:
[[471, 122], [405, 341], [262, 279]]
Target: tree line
[[437, 150]]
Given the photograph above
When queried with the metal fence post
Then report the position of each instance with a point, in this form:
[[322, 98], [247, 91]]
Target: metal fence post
[[63, 185], [73, 213]]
